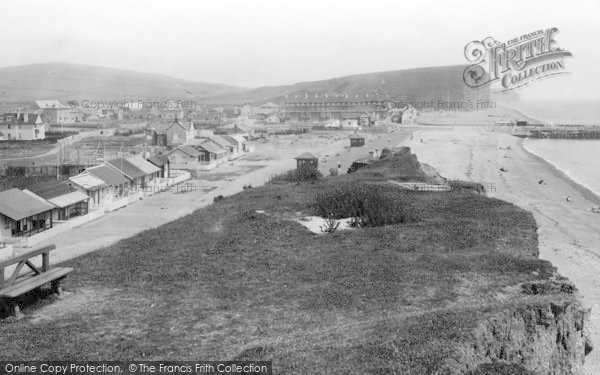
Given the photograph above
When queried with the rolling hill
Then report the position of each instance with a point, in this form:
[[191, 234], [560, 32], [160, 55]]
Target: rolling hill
[[420, 84], [64, 81]]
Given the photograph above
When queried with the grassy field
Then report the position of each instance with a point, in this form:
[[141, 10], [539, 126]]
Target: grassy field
[[228, 282]]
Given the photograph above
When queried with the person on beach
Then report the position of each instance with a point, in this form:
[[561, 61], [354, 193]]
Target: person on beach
[[569, 199]]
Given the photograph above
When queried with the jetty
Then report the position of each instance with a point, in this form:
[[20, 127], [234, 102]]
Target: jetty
[[559, 132]]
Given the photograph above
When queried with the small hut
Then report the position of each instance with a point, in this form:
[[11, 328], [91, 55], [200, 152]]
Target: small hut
[[357, 140], [306, 160]]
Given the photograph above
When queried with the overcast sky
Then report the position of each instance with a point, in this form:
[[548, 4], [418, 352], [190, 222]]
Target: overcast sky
[[256, 43]]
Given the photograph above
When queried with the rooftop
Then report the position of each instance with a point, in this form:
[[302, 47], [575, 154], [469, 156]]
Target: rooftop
[[306, 155], [45, 104], [126, 168], [18, 205], [107, 174], [51, 190], [159, 160], [143, 165]]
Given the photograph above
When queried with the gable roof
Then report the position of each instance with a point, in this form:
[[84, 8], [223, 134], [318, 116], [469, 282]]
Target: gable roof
[[306, 155], [51, 189], [107, 174], [18, 118], [126, 168], [18, 205], [87, 181], [45, 104], [231, 139], [238, 137], [177, 123], [143, 165], [211, 147], [221, 141], [158, 160], [69, 199], [188, 150]]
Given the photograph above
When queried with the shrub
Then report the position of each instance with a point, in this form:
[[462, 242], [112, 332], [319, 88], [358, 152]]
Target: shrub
[[367, 204], [304, 173]]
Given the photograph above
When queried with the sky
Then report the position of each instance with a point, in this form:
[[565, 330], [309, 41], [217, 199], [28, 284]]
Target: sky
[[274, 42]]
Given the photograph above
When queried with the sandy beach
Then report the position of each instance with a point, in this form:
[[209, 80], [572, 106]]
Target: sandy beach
[[568, 232]]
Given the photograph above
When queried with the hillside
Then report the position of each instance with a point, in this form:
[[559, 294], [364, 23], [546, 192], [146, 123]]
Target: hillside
[[64, 81], [456, 288], [421, 84]]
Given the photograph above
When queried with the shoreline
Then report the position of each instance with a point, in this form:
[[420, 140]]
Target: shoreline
[[586, 191], [568, 233]]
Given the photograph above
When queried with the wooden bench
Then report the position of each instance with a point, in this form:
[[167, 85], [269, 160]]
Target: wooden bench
[[20, 283]]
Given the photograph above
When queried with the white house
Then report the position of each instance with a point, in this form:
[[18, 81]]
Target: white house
[[22, 127]]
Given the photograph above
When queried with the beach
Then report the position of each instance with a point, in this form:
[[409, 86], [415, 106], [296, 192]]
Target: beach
[[568, 233]]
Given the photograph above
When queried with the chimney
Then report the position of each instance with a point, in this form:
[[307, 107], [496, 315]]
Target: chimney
[[25, 117]]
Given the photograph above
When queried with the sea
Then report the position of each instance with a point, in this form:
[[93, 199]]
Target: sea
[[578, 159]]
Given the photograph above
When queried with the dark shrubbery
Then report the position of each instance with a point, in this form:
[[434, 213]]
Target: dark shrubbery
[[304, 173], [369, 205]]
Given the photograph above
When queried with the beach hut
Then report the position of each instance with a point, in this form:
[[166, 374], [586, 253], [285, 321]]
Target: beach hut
[[22, 214], [306, 160], [357, 140]]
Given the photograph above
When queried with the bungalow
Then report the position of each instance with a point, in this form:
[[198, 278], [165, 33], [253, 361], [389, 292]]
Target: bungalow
[[355, 119], [67, 201], [239, 143], [22, 215], [151, 171], [185, 157], [22, 127], [117, 185], [212, 153], [162, 162], [95, 188], [136, 177], [230, 145]]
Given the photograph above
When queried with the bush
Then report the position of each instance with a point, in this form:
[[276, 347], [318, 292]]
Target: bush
[[368, 205], [304, 173]]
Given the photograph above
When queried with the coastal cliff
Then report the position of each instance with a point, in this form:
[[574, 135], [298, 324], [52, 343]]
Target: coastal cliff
[[546, 337]]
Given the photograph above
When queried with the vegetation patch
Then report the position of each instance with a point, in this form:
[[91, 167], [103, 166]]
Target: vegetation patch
[[368, 205], [304, 173]]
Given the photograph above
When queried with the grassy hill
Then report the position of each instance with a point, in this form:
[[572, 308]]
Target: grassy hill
[[458, 290], [65, 81], [421, 84]]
